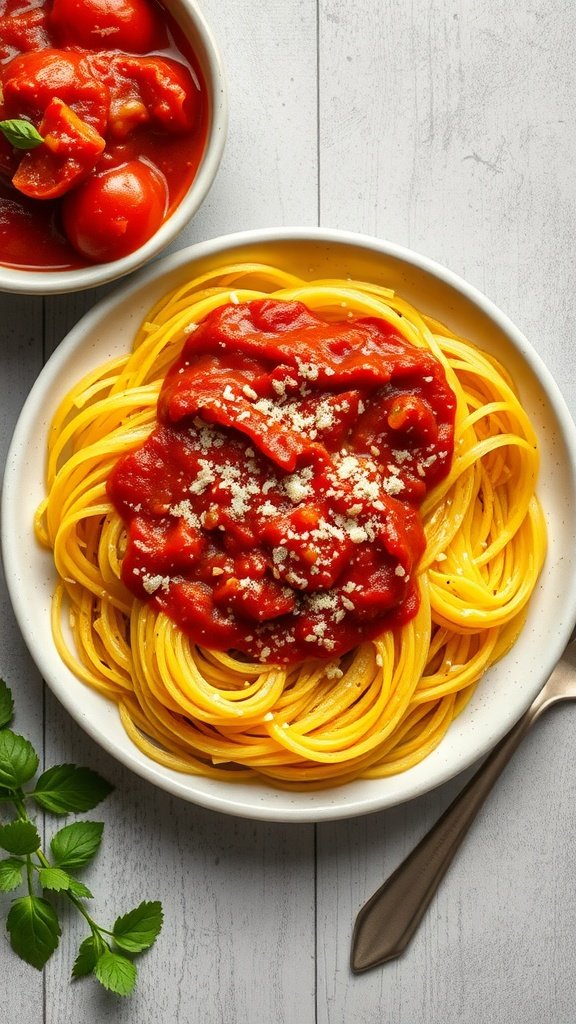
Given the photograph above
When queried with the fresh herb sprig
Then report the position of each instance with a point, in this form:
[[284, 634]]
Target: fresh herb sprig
[[32, 921]]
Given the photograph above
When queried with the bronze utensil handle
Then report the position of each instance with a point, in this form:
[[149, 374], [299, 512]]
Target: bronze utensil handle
[[390, 918]]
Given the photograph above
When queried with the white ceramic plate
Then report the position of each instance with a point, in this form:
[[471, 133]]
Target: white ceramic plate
[[507, 689]]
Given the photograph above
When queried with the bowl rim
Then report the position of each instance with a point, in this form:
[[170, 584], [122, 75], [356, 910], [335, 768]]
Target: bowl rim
[[37, 282], [322, 805]]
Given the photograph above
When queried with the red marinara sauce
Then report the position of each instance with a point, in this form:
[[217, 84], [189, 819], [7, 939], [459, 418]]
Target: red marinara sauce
[[117, 95], [274, 508]]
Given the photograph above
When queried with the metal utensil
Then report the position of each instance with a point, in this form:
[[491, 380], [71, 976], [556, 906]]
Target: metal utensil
[[387, 922]]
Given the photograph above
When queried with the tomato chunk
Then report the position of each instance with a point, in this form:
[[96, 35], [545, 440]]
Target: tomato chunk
[[133, 25], [256, 600], [69, 153], [23, 31], [33, 79], [116, 211], [155, 91]]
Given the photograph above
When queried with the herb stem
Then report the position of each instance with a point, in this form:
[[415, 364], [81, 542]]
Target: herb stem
[[29, 874], [82, 909], [18, 801], [42, 858], [73, 899]]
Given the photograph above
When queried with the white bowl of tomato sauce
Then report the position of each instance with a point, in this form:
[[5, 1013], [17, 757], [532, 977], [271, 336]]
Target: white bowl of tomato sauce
[[112, 126]]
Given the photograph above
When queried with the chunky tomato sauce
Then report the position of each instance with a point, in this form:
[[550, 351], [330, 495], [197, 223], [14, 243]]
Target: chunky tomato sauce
[[274, 509], [116, 94]]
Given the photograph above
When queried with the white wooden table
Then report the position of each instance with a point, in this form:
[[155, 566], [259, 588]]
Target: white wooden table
[[448, 127]]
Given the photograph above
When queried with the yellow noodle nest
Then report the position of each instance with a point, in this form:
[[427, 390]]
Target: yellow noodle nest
[[380, 709]]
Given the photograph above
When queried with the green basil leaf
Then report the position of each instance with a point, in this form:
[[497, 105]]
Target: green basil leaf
[[10, 873], [18, 759], [19, 837], [21, 134], [34, 929], [116, 973], [137, 930], [89, 953], [6, 705], [66, 788], [75, 845], [54, 879]]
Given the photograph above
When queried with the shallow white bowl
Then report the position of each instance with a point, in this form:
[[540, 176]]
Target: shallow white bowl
[[506, 690], [194, 26]]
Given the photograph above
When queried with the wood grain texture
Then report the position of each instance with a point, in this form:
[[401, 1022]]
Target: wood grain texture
[[456, 143], [20, 361], [448, 128]]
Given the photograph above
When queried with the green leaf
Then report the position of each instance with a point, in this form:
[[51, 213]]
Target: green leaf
[[21, 134], [79, 890], [34, 929], [18, 759], [116, 973], [10, 873], [54, 879], [67, 788], [75, 845], [137, 930], [89, 953], [6, 705], [19, 837]]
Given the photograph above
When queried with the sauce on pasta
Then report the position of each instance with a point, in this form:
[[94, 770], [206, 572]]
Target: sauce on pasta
[[274, 508]]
